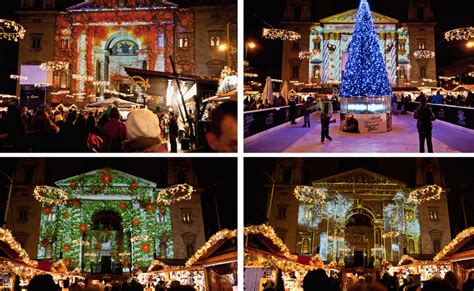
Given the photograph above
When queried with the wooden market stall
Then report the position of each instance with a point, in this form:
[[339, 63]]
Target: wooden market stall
[[420, 264], [459, 253]]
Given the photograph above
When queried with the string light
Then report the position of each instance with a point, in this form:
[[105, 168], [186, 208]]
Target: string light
[[139, 238], [50, 195], [426, 193], [157, 263], [54, 66], [42, 85], [175, 194], [18, 77], [268, 232], [282, 34], [82, 77], [309, 54], [390, 234], [424, 54], [310, 194], [220, 235], [7, 237], [454, 243], [101, 83], [464, 33], [8, 96], [10, 30]]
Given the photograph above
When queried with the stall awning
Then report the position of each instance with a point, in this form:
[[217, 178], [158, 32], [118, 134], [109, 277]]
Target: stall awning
[[460, 248]]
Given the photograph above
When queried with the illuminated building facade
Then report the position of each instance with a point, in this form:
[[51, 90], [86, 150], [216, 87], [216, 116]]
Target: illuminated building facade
[[115, 223], [365, 219], [329, 39], [98, 39]]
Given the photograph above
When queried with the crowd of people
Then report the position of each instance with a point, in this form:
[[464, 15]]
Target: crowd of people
[[251, 103], [73, 130], [319, 280]]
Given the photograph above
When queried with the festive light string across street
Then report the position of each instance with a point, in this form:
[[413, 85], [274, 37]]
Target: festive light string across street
[[54, 66], [175, 194], [424, 54], [8, 96], [310, 194], [82, 77], [426, 193], [273, 33], [10, 30], [50, 195], [464, 33]]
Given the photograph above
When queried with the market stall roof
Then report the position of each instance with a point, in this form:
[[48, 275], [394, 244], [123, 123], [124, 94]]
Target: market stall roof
[[461, 88], [10, 248], [104, 103], [459, 249], [220, 248], [263, 238], [415, 258]]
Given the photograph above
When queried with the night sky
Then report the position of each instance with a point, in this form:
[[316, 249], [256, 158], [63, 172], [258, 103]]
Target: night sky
[[457, 173], [266, 58], [210, 174]]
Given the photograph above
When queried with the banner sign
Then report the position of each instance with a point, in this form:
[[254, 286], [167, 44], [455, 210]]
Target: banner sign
[[461, 116], [256, 121]]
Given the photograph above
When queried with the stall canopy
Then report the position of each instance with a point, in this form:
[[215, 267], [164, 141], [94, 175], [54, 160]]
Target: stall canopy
[[464, 88], [121, 103], [461, 248], [11, 249], [262, 238], [220, 248]]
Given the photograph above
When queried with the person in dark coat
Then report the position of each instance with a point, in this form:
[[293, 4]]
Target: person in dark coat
[[69, 135], [292, 104], [326, 113], [307, 106], [317, 280], [114, 132], [42, 283], [173, 132], [42, 134], [424, 117]]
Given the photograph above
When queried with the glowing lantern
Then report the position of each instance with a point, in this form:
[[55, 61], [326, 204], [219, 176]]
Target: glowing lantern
[[82, 227], [146, 247], [76, 203], [66, 214]]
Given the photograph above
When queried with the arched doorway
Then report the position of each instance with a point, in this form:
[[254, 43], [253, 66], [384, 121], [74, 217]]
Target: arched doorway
[[106, 241], [359, 238]]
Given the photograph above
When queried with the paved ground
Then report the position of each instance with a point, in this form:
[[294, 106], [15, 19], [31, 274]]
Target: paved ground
[[402, 139]]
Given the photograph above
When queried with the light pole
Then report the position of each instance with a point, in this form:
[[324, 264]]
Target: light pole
[[10, 180], [249, 45], [269, 208]]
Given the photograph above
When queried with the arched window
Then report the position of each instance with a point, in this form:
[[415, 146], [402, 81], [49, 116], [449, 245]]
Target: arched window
[[190, 249], [411, 246], [63, 80], [305, 246], [162, 249], [436, 246]]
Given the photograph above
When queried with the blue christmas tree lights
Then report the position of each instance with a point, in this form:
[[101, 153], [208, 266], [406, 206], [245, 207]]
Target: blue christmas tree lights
[[365, 74]]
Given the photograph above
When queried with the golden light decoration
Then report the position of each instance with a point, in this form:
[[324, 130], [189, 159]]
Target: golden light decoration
[[220, 235], [426, 193], [390, 234], [452, 244], [8, 96], [268, 232], [254, 259], [10, 30], [310, 194], [50, 195], [308, 54], [42, 85], [283, 34], [101, 83], [82, 77], [157, 263], [7, 237], [18, 77], [175, 193], [424, 54], [54, 66], [464, 33]]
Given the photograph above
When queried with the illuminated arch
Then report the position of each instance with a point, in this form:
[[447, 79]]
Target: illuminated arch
[[360, 210]]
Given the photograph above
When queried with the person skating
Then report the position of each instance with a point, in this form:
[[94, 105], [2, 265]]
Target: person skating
[[307, 111], [424, 117], [326, 112], [292, 104]]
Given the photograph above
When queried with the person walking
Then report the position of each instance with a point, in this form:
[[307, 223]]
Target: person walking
[[292, 104], [326, 113], [307, 111], [395, 104], [173, 132], [424, 117]]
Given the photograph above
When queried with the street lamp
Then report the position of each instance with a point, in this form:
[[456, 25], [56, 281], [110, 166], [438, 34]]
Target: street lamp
[[249, 45], [5, 215], [470, 44]]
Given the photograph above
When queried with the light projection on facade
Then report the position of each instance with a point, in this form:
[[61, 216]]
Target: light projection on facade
[[109, 216]]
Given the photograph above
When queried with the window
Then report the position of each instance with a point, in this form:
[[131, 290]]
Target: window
[[411, 246], [186, 215], [419, 13], [63, 80], [296, 45], [215, 37], [160, 217], [183, 43], [65, 43], [36, 41], [305, 245], [38, 4], [436, 246], [295, 72], [162, 249], [51, 215], [22, 214], [308, 214], [28, 175], [287, 175], [421, 44], [422, 72], [215, 41], [297, 13], [434, 213], [190, 249], [281, 211]]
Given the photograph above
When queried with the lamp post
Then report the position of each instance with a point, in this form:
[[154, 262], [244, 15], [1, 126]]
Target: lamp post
[[249, 45], [10, 180]]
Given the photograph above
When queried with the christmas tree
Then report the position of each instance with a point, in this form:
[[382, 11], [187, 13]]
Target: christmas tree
[[365, 74]]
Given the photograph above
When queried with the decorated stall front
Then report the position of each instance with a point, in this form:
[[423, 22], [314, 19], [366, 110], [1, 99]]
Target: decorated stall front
[[422, 265], [160, 273], [459, 253], [218, 258]]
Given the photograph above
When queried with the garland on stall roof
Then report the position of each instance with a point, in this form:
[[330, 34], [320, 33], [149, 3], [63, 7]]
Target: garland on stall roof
[[220, 235], [268, 232], [7, 237], [452, 244]]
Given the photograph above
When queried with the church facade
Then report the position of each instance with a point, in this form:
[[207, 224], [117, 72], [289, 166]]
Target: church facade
[[326, 44], [366, 218]]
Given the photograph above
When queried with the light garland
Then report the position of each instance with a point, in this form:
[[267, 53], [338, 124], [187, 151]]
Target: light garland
[[424, 54], [390, 234], [8, 96], [82, 77], [175, 194], [282, 34], [426, 193], [42, 85], [309, 54], [62, 92], [250, 75], [464, 33], [50, 195], [10, 30], [269, 233], [220, 235], [55, 66], [115, 92], [139, 238], [310, 194], [18, 77], [7, 237], [452, 244], [157, 263], [101, 83]]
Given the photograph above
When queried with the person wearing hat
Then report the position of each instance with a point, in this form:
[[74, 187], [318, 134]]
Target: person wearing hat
[[143, 129]]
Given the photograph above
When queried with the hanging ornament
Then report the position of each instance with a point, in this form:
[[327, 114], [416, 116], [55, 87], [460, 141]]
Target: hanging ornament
[[146, 247], [150, 207], [82, 227], [47, 211], [66, 214], [106, 178], [66, 248], [136, 221], [76, 203], [123, 205], [73, 185], [133, 185], [162, 210]]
